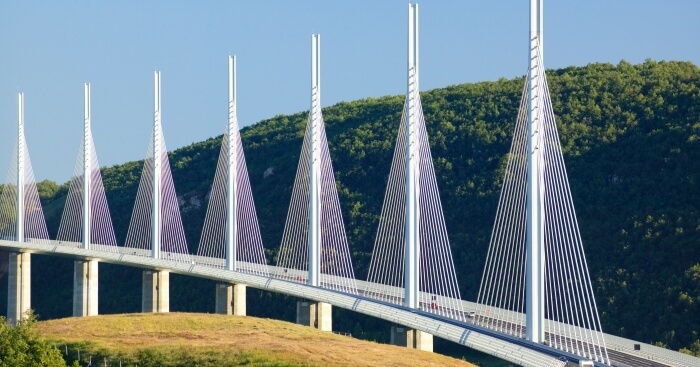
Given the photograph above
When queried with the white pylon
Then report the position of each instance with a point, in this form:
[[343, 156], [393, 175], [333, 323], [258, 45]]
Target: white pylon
[[232, 166], [157, 151], [535, 250], [20, 169], [412, 196], [315, 164], [87, 171]]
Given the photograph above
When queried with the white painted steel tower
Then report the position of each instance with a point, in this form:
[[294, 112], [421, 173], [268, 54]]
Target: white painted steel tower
[[20, 169], [157, 167], [315, 164], [232, 169], [87, 174], [412, 202], [535, 250]]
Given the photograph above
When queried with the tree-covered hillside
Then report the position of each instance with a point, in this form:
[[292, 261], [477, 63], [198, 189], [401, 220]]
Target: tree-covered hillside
[[631, 140]]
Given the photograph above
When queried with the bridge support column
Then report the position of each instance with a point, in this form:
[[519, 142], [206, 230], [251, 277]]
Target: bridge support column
[[85, 288], [18, 286], [411, 338], [155, 294], [318, 315], [231, 299]]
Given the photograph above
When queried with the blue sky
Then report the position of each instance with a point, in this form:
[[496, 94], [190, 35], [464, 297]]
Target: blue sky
[[49, 49]]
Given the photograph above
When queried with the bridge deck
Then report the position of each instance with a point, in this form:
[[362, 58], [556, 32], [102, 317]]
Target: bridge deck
[[468, 334]]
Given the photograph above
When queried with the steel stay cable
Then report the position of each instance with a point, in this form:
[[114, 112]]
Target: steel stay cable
[[486, 287], [579, 251]]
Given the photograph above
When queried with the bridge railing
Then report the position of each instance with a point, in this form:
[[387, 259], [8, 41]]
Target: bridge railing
[[646, 351], [651, 352], [458, 333]]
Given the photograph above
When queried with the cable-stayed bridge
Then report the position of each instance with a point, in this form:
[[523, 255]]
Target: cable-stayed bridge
[[535, 306]]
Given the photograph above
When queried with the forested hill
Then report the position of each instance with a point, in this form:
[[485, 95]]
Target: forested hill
[[631, 140]]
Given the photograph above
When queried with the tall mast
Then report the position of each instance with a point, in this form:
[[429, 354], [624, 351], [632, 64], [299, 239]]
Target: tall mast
[[412, 204], [157, 134], [87, 168], [535, 252], [315, 164], [232, 179], [20, 169]]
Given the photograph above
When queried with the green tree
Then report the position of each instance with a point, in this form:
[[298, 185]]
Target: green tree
[[47, 189], [20, 346]]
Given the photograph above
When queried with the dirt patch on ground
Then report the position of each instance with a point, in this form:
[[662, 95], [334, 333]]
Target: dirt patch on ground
[[267, 339]]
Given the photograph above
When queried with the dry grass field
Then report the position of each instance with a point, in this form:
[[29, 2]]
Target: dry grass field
[[181, 339]]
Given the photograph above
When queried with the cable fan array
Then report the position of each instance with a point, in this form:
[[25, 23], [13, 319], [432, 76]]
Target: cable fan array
[[336, 265], [34, 222], [572, 323], [172, 234], [248, 242], [71, 228], [439, 292]]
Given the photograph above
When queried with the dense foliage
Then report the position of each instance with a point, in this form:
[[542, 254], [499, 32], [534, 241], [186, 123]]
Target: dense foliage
[[631, 140], [21, 347]]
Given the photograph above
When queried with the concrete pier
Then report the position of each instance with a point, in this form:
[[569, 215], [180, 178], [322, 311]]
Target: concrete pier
[[318, 315], [231, 299], [85, 288], [411, 338], [18, 286], [155, 294]]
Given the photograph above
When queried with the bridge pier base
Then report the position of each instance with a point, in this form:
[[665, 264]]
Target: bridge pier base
[[231, 299], [411, 338], [155, 295], [85, 288], [318, 315], [18, 286]]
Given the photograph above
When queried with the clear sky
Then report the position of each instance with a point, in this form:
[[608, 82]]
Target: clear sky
[[48, 49]]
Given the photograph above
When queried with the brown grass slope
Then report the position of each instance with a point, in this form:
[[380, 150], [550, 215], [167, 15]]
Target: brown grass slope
[[205, 339]]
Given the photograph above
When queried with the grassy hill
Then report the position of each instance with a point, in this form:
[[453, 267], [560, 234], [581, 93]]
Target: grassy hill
[[181, 339]]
